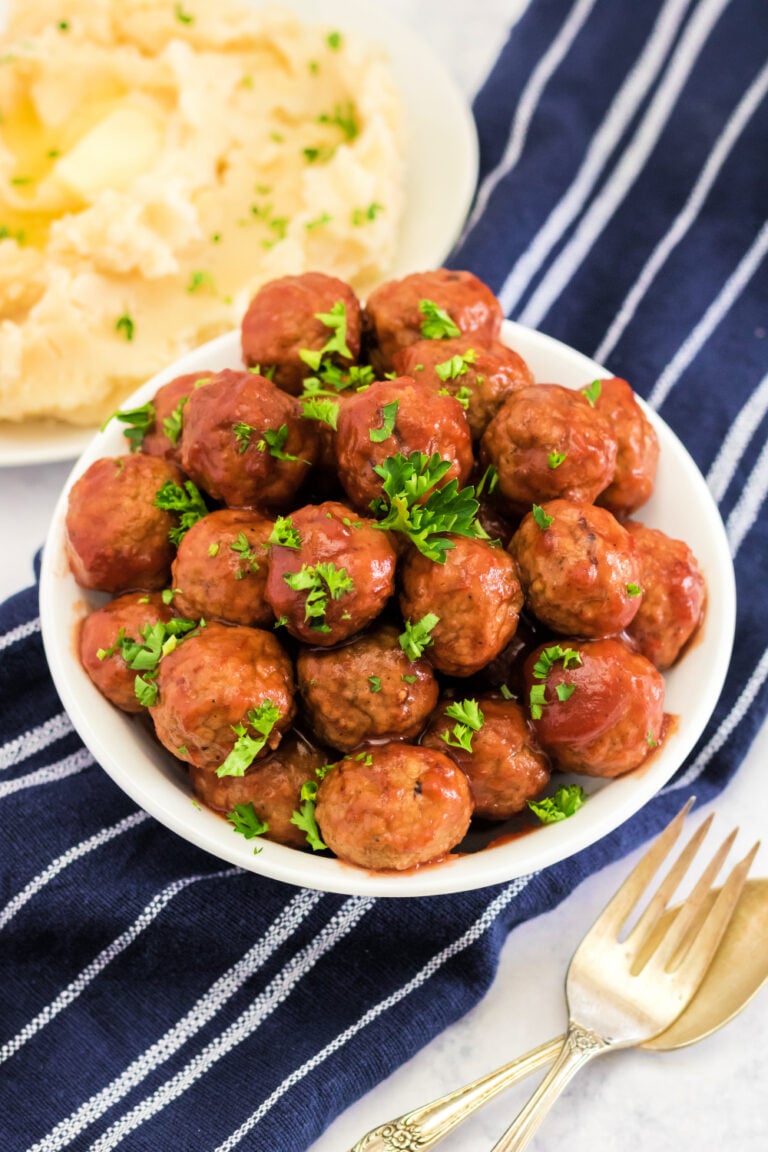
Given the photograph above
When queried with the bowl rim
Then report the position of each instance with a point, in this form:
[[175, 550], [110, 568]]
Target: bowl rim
[[611, 802]]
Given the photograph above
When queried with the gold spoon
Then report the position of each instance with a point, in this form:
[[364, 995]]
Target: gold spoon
[[736, 974]]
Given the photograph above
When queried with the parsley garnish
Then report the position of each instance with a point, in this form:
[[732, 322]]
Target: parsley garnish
[[388, 415], [407, 480], [506, 692], [566, 801], [242, 546], [272, 439], [172, 423], [321, 408], [185, 500], [437, 324], [343, 118], [125, 325], [555, 459], [564, 691], [244, 820], [374, 683], [200, 279], [634, 590], [541, 518], [538, 700], [245, 750], [336, 320], [334, 40], [319, 581], [592, 393], [284, 533], [650, 739], [553, 655], [456, 366], [417, 636], [182, 16], [140, 420], [361, 215], [318, 155], [489, 479], [304, 818], [469, 720]]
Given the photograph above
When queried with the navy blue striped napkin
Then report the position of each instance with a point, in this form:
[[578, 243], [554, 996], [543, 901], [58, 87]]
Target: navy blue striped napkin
[[152, 998]]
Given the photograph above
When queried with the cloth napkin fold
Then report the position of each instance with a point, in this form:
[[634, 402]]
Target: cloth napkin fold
[[153, 998]]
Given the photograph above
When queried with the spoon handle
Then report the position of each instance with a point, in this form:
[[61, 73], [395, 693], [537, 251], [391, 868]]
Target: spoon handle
[[425, 1127]]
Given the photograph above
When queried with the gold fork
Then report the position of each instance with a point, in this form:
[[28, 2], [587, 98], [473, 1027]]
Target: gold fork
[[622, 992]]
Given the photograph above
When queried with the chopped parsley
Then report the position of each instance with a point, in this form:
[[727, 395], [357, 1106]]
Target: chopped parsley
[[139, 420], [319, 581], [437, 324], [271, 439], [284, 533], [336, 320], [321, 408], [489, 480], [464, 395], [364, 215], [634, 590], [469, 719], [213, 548], [318, 221], [592, 393], [304, 818], [555, 459], [200, 279], [316, 155], [262, 720], [458, 365], [424, 519], [344, 118], [541, 518], [172, 423], [417, 637], [125, 326], [244, 820], [187, 501], [554, 655], [651, 740], [249, 563], [566, 801], [182, 16], [564, 691], [335, 41], [374, 683], [506, 692], [388, 415], [143, 656]]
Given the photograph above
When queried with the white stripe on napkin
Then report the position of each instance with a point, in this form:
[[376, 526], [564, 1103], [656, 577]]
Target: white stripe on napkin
[[468, 938], [620, 114], [527, 104], [196, 1018], [69, 857], [260, 1008], [50, 774], [723, 302], [35, 740], [740, 435], [100, 962], [20, 632], [744, 513], [737, 122]]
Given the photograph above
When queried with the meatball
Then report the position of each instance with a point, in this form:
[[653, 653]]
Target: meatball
[[393, 807], [416, 418], [284, 319], [504, 765], [245, 441], [638, 449], [220, 570], [547, 442], [334, 575], [215, 681], [483, 377], [475, 594], [164, 436], [579, 567], [117, 537], [272, 785], [366, 690], [597, 707], [396, 313], [674, 595], [100, 651]]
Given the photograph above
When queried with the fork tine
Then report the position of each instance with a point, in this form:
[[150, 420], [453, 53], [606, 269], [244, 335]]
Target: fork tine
[[689, 956], [617, 909], [639, 935]]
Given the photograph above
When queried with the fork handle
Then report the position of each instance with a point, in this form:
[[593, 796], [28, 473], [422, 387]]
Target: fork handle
[[425, 1127], [581, 1045]]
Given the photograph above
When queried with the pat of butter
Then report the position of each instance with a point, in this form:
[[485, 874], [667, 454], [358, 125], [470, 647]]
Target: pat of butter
[[120, 147]]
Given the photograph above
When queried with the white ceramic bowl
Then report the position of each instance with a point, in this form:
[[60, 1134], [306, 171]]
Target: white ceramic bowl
[[681, 506]]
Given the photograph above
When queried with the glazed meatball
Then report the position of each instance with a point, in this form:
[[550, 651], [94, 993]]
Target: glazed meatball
[[164, 436], [214, 681], [547, 442], [482, 376], [393, 807], [220, 570], [638, 449], [609, 713], [283, 320], [245, 442], [475, 594], [334, 577], [395, 315], [504, 765], [272, 785], [579, 567], [674, 595], [100, 652], [422, 421], [365, 690], [117, 537]]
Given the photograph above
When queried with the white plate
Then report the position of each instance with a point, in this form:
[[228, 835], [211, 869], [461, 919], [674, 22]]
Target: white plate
[[681, 506], [441, 174]]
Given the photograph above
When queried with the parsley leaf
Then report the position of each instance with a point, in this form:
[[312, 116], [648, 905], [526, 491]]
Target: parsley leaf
[[634, 590], [437, 324], [336, 320], [592, 393], [125, 325], [456, 366], [187, 501], [374, 683], [469, 719], [245, 750], [566, 801], [344, 118], [242, 546], [139, 420], [172, 423], [319, 581], [541, 518], [389, 415], [304, 818], [555, 459], [284, 533], [321, 408], [244, 820], [551, 656], [417, 636]]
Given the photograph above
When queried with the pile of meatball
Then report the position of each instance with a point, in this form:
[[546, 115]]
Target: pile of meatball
[[333, 680]]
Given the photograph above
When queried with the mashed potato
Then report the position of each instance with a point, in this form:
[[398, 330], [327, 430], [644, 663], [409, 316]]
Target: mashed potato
[[158, 162]]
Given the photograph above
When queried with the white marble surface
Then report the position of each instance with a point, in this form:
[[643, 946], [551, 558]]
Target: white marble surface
[[709, 1096]]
